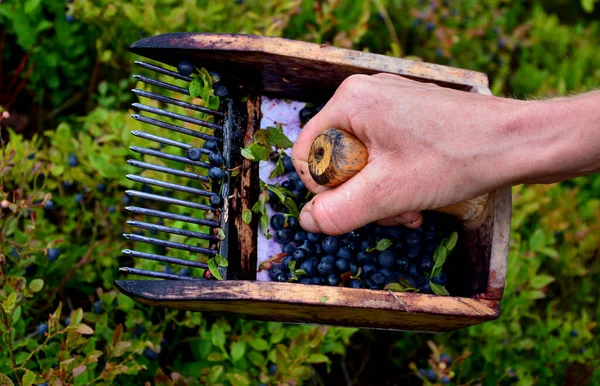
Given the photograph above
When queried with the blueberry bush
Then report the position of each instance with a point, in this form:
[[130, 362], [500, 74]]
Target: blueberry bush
[[65, 77]]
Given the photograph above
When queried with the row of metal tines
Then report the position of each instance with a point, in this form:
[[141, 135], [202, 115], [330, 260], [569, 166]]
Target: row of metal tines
[[169, 188]]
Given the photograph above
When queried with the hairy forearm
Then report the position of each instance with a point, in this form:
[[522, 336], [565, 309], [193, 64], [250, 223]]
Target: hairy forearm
[[552, 140]]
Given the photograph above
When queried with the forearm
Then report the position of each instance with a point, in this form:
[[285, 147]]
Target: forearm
[[552, 140]]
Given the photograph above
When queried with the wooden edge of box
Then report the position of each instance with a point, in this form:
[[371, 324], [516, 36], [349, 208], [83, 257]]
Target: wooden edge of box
[[296, 303], [271, 52]]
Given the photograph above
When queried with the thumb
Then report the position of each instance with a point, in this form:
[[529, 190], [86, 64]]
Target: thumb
[[357, 202]]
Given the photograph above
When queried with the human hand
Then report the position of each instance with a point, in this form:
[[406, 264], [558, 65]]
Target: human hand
[[428, 147]]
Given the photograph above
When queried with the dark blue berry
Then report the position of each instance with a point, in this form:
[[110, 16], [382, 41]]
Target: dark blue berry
[[283, 277], [413, 253], [101, 187], [308, 247], [306, 114], [292, 222], [501, 43], [299, 236], [313, 237], [413, 238], [272, 367], [426, 265], [330, 244], [309, 266], [355, 284], [168, 270], [306, 280], [70, 18], [423, 285], [211, 145], [277, 222], [446, 358], [288, 248], [14, 253], [288, 166], [287, 185], [216, 201], [79, 198], [345, 253], [221, 91], [413, 270], [377, 280], [368, 269], [299, 254], [342, 265], [49, 205], [402, 264], [72, 160], [31, 156], [317, 280], [150, 354], [574, 333], [430, 26], [365, 258], [353, 268], [282, 236], [215, 159], [216, 173], [185, 272], [127, 200], [274, 272], [68, 184], [98, 307], [440, 279], [386, 259], [431, 376], [68, 320], [53, 254], [318, 250], [194, 154], [286, 261], [395, 232], [185, 68], [42, 329], [326, 265], [333, 280], [445, 380]]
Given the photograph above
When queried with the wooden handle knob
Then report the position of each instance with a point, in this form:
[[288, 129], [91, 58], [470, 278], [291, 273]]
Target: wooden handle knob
[[336, 156]]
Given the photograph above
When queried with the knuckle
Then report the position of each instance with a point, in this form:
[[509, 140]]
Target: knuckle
[[325, 217], [353, 84]]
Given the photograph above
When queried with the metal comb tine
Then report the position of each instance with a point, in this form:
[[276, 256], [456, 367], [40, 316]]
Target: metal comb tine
[[162, 70], [176, 102], [163, 140], [168, 200], [164, 169], [180, 117], [163, 259], [169, 185], [170, 157], [179, 129], [158, 275], [166, 229], [169, 244], [172, 216], [159, 83]]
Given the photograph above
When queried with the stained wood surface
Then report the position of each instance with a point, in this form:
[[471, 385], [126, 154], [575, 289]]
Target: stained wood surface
[[292, 69], [297, 303]]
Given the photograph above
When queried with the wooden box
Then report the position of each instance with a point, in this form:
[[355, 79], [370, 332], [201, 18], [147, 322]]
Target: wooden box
[[309, 72]]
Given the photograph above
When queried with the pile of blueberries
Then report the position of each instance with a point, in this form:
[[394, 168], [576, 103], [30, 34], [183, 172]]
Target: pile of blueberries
[[326, 259]]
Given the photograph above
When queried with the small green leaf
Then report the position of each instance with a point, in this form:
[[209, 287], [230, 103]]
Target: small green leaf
[[277, 138], [278, 192], [292, 207], [221, 262], [195, 87], [262, 137], [452, 241], [318, 358], [248, 154], [258, 152], [292, 265], [256, 358], [259, 344], [438, 289], [279, 169], [29, 378], [217, 336], [221, 234], [395, 287], [235, 172], [238, 349], [324, 299], [216, 357], [537, 240], [300, 272], [215, 373], [246, 216], [382, 245], [36, 285], [214, 269], [16, 315], [357, 273], [541, 281], [588, 5]]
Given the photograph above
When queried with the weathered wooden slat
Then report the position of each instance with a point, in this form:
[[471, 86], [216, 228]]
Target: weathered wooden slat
[[297, 303], [292, 69]]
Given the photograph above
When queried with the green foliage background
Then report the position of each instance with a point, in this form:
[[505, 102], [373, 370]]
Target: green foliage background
[[66, 84]]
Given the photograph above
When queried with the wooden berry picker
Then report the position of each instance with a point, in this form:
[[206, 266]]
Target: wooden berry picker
[[218, 196]]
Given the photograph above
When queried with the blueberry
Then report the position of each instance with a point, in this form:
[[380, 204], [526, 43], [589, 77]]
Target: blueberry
[[49, 205], [378, 230], [355, 284], [68, 320], [286, 261], [14, 253], [43, 384], [426, 265], [185, 68], [292, 222], [127, 200], [430, 237], [365, 258], [216, 173], [299, 254], [317, 280], [431, 375], [272, 367], [273, 199], [395, 232], [287, 185], [368, 269], [168, 270], [216, 201], [309, 266], [386, 259], [300, 236], [402, 264], [215, 159], [387, 274], [313, 237], [277, 222], [446, 358], [211, 145], [430, 26], [377, 280], [306, 114], [79, 198], [274, 272], [282, 236], [440, 279], [345, 253], [308, 247], [288, 248], [221, 91], [150, 354], [42, 329], [185, 272], [68, 184], [574, 333], [445, 380], [283, 277], [306, 280], [342, 266], [318, 250], [501, 43], [70, 18], [353, 268], [194, 154], [101, 187], [53, 254], [326, 265], [97, 307], [413, 253], [423, 285], [413, 270], [288, 166], [72, 160], [332, 280]]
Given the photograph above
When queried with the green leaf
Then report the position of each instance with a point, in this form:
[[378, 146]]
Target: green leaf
[[438, 289], [31, 5], [279, 169], [541, 281], [279, 192], [537, 240], [292, 265], [221, 234], [214, 269], [277, 138], [195, 86], [36, 285], [246, 216], [235, 172], [439, 258], [28, 378], [238, 349], [16, 315], [257, 358], [262, 137], [588, 5], [318, 358], [451, 243], [215, 373], [221, 262], [292, 207], [238, 379], [256, 152], [550, 252], [248, 154], [299, 272], [216, 357], [382, 245], [395, 287], [76, 317], [217, 336], [259, 344], [21, 357]]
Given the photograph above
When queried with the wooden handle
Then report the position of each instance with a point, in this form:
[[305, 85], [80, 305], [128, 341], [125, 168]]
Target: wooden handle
[[336, 156]]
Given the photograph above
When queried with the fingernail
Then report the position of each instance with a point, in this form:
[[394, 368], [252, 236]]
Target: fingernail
[[307, 221]]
